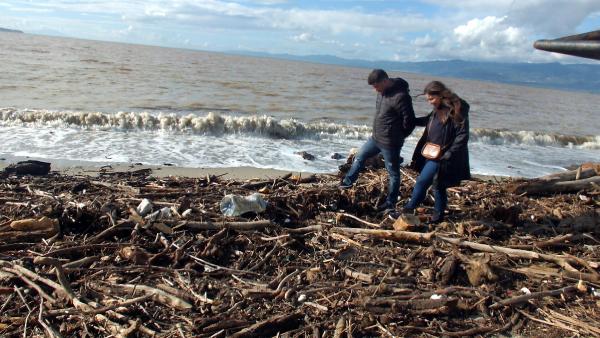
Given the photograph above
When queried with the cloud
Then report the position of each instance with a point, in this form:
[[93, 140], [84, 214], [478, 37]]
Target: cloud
[[552, 18], [489, 31], [541, 17], [304, 37], [229, 15], [508, 34], [467, 29], [490, 38], [424, 41], [269, 2]]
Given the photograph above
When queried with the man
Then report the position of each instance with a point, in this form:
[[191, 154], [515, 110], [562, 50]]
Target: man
[[394, 121]]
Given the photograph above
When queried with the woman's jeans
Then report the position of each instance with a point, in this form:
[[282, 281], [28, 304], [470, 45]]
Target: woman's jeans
[[424, 181], [391, 158]]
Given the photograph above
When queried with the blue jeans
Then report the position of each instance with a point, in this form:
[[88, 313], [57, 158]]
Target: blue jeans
[[424, 181], [391, 158]]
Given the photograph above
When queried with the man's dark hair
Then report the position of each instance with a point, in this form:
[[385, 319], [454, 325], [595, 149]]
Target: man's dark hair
[[376, 76]]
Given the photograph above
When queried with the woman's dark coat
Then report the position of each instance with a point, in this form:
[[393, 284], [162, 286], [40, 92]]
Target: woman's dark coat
[[454, 163]]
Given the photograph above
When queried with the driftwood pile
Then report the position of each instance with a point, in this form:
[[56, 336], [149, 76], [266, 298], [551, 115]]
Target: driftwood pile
[[89, 256]]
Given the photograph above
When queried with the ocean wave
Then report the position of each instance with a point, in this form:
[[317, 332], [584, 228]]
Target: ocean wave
[[210, 124], [219, 123], [501, 137]]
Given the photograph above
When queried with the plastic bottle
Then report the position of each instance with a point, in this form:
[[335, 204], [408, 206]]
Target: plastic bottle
[[235, 205], [144, 207]]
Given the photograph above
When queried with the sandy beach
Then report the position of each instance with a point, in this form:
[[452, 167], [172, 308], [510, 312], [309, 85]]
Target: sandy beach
[[76, 168], [67, 167]]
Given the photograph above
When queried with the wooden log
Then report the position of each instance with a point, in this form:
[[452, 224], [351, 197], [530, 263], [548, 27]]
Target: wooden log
[[556, 241], [478, 330], [81, 262], [114, 228], [225, 324], [341, 217], [446, 272], [33, 224], [239, 226], [261, 184], [118, 304], [570, 175], [25, 236], [29, 229], [120, 187], [541, 271], [32, 284], [359, 275], [304, 230], [340, 327], [563, 261], [545, 187], [429, 306], [272, 326], [64, 282], [534, 295], [589, 327], [50, 330], [63, 289], [82, 249], [158, 295], [400, 236], [316, 306]]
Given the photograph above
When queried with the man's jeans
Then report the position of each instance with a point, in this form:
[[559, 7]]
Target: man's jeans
[[424, 181], [391, 158]]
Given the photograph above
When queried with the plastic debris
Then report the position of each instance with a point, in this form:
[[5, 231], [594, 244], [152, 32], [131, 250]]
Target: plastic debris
[[236, 205]]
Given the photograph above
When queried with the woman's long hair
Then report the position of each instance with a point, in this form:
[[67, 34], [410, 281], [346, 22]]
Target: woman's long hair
[[449, 99]]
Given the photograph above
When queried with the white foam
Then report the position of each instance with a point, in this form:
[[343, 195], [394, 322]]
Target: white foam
[[215, 140]]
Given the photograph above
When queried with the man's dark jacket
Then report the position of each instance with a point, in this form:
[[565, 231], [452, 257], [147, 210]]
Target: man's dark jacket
[[454, 163], [394, 115]]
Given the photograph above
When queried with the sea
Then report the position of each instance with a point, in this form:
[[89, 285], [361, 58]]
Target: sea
[[102, 102]]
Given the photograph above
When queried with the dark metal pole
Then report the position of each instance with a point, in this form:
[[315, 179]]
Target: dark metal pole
[[586, 45]]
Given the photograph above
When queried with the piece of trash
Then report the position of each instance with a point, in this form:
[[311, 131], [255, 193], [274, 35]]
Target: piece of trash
[[144, 207], [436, 296], [236, 205], [165, 213], [160, 214], [525, 291], [301, 298]]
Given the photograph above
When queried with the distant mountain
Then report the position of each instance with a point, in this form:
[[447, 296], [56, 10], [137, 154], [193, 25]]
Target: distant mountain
[[580, 77], [6, 30]]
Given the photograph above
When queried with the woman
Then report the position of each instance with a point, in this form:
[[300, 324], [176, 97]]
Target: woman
[[442, 155]]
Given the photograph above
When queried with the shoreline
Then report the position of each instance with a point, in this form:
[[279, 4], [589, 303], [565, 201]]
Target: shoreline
[[87, 168]]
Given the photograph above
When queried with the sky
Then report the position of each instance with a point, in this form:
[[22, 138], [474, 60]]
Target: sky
[[411, 30]]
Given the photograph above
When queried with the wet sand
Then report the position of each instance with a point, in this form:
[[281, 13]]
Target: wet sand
[[68, 167]]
